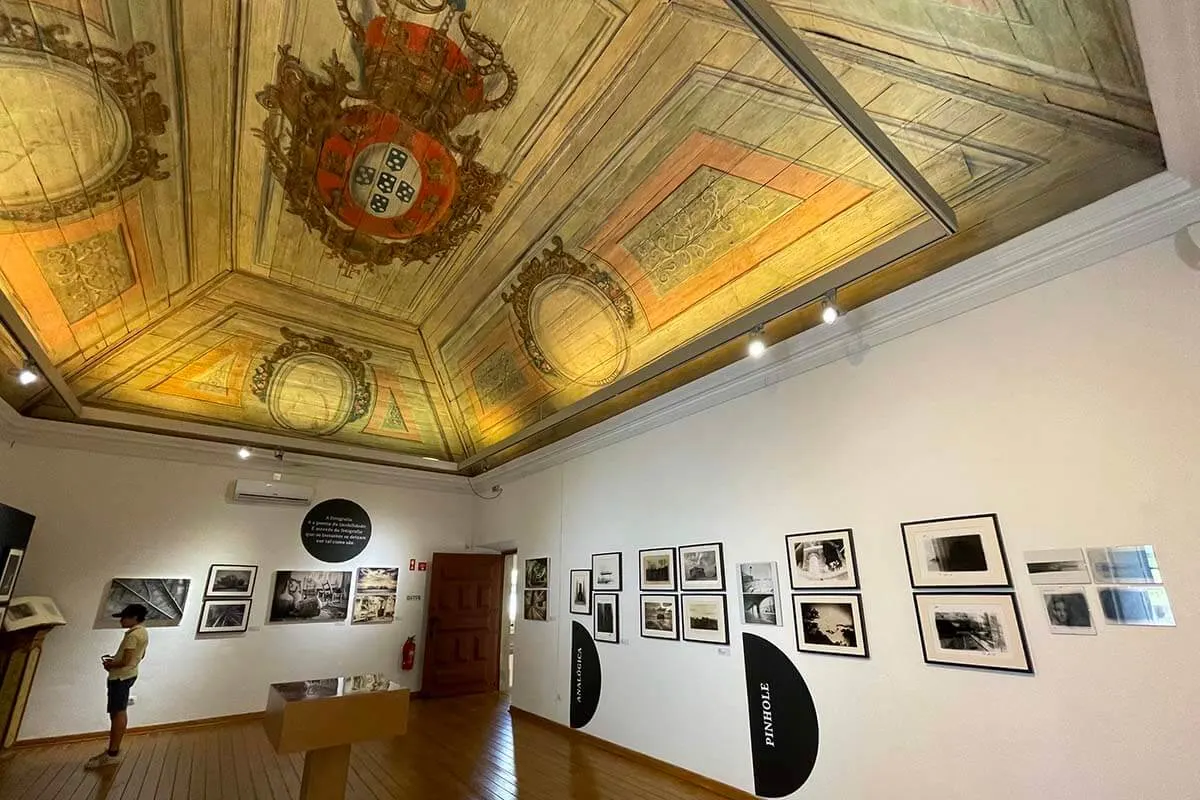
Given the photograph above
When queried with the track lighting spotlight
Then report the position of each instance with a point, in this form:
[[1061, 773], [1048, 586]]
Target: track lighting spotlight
[[758, 344], [829, 309], [244, 453], [29, 374]]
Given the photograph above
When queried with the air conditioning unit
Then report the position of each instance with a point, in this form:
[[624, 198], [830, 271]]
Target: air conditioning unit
[[271, 492]]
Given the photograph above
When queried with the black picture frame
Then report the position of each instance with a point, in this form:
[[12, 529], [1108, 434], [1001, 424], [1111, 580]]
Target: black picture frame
[[674, 559], [661, 598], [684, 581], [607, 587], [203, 630], [684, 621], [847, 534], [571, 591], [616, 608], [862, 646], [994, 520], [1010, 597], [218, 594]]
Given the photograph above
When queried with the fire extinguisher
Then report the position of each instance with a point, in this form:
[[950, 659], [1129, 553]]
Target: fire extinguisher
[[410, 653]]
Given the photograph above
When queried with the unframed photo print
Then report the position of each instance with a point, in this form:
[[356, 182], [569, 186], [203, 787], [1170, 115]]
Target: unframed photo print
[[535, 605], [8, 578], [537, 573], [1129, 564], [1053, 567], [760, 593], [1136, 606], [1067, 610]]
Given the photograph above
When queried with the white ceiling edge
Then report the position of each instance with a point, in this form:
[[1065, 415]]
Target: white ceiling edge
[[1168, 34], [1139, 215]]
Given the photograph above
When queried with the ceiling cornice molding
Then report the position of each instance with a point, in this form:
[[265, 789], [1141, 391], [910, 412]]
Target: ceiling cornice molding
[[1143, 213]]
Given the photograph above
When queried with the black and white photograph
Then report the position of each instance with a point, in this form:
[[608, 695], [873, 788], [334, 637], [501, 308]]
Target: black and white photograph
[[981, 630], [1067, 610], [660, 616], [1136, 606], [8, 578], [31, 612], [581, 591], [702, 568], [705, 618], [822, 560], [607, 618], [230, 580], [537, 573], [224, 616], [164, 599], [760, 593], [1130, 564], [536, 603], [1053, 567], [956, 552], [311, 596], [376, 580], [371, 609], [830, 624], [606, 572], [656, 569]]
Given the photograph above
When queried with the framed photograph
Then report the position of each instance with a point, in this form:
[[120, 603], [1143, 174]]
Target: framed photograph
[[224, 616], [660, 616], [705, 618], [956, 552], [373, 609], [606, 572], [1133, 564], [376, 580], [831, 624], [581, 591], [822, 560], [230, 580], [8, 578], [760, 593], [1067, 610], [608, 618], [982, 630], [537, 573], [164, 599], [702, 568], [656, 570], [1051, 567], [311, 596], [536, 603], [1136, 606]]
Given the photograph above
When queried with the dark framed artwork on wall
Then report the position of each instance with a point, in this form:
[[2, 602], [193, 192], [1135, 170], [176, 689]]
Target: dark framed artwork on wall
[[831, 624], [230, 580], [656, 570], [607, 618], [303, 595], [822, 560], [702, 568], [660, 616], [705, 618], [224, 616], [606, 572], [581, 591], [981, 631], [956, 552]]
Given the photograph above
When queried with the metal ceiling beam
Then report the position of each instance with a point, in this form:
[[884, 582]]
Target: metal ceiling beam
[[12, 322]]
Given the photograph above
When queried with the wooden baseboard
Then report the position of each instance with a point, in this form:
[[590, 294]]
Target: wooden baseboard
[[694, 778], [161, 728]]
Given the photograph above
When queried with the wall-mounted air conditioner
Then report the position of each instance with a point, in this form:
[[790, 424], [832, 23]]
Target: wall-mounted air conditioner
[[272, 492]]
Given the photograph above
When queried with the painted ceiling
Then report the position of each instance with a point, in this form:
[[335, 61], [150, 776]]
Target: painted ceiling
[[422, 226]]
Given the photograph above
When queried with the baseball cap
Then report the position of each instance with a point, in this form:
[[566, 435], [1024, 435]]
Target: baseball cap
[[135, 610]]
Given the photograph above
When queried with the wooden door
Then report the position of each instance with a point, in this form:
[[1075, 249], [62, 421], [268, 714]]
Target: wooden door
[[462, 639]]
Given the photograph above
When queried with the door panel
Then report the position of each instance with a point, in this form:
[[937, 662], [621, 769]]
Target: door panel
[[466, 597]]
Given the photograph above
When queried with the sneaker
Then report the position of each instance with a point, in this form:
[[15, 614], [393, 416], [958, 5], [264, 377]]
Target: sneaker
[[102, 760]]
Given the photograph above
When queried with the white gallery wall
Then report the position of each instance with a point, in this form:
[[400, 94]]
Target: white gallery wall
[[1070, 410], [104, 516]]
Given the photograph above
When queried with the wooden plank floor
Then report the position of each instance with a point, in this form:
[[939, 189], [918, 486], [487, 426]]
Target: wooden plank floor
[[461, 749]]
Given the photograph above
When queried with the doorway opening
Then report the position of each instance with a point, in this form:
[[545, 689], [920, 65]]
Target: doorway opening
[[508, 621]]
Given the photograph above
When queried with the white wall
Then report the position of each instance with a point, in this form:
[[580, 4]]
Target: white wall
[[1069, 409], [105, 516]]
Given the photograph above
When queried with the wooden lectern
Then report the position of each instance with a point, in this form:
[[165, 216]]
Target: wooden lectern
[[322, 718], [20, 653]]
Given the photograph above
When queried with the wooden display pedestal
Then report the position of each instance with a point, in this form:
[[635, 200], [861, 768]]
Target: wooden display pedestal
[[322, 718], [20, 652]]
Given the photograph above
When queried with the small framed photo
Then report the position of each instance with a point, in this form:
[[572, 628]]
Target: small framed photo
[[705, 618], [702, 568], [230, 580], [606, 572], [1132, 564], [536, 603], [224, 616], [982, 631], [1067, 610], [537, 573], [656, 570], [8, 577], [581, 591], [1050, 567], [831, 624], [956, 552], [607, 617], [822, 560], [1127, 605], [660, 616], [760, 593]]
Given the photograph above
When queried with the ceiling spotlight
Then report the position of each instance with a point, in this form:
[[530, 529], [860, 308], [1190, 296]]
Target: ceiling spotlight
[[829, 309], [244, 453], [758, 344], [28, 374]]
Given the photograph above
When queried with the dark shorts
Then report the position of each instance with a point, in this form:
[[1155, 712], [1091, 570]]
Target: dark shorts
[[118, 695]]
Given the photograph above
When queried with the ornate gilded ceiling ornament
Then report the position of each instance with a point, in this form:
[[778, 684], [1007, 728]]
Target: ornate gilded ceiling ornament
[[555, 261], [376, 168], [125, 87]]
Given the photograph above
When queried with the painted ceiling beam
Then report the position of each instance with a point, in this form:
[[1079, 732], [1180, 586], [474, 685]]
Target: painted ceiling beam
[[12, 321]]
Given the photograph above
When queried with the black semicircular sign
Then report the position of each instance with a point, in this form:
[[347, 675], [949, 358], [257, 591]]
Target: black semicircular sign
[[335, 530], [783, 719], [585, 676]]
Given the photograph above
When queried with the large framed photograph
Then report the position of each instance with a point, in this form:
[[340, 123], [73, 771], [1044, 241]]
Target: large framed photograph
[[981, 630], [660, 616], [956, 552], [537, 573], [581, 591], [702, 568], [705, 618], [830, 624], [1131, 564], [8, 578], [311, 596], [606, 572], [224, 616], [607, 618], [1128, 605], [536, 605], [656, 570], [760, 593], [822, 560], [231, 580], [1053, 567], [1067, 610]]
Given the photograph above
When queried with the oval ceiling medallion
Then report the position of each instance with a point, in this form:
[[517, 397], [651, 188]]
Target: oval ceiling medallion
[[311, 393], [578, 330]]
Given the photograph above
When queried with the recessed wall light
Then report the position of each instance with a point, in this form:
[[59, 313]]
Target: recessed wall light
[[244, 453]]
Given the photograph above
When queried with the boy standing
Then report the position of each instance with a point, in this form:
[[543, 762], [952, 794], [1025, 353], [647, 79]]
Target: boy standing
[[122, 671]]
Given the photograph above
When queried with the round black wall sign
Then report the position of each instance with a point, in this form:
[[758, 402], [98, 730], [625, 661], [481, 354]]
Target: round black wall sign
[[336, 530]]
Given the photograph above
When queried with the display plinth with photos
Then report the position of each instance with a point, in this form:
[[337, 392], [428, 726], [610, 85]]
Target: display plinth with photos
[[25, 628], [323, 718]]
